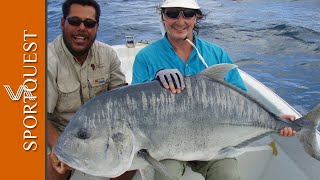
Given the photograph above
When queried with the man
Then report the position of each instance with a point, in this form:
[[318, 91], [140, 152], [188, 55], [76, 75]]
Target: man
[[180, 53], [79, 68]]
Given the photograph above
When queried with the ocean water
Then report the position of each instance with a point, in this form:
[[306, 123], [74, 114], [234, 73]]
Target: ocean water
[[276, 41]]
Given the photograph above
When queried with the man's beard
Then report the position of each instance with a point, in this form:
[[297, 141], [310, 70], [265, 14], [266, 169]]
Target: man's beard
[[74, 52]]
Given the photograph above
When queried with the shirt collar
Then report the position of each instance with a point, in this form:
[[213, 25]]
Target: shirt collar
[[71, 57], [166, 42], [169, 47]]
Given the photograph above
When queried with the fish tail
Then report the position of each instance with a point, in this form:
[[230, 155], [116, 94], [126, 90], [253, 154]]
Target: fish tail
[[309, 135], [313, 116]]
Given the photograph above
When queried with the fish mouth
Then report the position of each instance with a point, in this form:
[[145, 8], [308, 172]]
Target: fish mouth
[[67, 159]]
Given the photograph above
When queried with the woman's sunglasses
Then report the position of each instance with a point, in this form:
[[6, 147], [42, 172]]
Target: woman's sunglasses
[[76, 21], [175, 13]]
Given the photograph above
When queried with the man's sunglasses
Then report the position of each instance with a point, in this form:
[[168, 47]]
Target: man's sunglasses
[[76, 21], [175, 13]]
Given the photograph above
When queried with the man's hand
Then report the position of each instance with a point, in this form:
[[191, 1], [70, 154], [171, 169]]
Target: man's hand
[[171, 78], [59, 166], [287, 131]]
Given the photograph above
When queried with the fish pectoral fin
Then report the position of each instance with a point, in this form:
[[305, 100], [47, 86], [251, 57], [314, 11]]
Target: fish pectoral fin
[[143, 153], [229, 152], [232, 152]]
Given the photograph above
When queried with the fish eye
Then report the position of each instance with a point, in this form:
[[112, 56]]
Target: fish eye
[[118, 137], [83, 134]]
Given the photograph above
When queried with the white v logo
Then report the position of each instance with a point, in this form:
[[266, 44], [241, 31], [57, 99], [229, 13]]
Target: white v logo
[[17, 96]]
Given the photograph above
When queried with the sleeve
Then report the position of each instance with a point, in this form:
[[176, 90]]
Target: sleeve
[[233, 75], [234, 78], [52, 91], [117, 78], [139, 70]]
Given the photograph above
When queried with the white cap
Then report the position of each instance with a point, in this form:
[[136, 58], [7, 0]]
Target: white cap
[[190, 4]]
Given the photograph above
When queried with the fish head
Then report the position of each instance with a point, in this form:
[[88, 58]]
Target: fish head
[[310, 139], [95, 148]]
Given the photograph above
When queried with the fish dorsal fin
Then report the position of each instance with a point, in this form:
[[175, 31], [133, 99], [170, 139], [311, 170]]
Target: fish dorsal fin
[[218, 71], [155, 163]]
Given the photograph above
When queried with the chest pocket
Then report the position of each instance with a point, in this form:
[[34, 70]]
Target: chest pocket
[[98, 84], [69, 96]]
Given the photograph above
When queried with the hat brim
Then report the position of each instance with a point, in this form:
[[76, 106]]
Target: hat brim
[[180, 5]]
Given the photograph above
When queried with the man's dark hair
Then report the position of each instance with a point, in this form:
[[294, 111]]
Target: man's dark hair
[[66, 6]]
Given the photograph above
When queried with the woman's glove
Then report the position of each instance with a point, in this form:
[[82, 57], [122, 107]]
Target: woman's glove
[[171, 78]]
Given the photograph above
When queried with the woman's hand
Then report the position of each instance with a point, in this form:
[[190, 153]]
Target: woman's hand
[[287, 131]]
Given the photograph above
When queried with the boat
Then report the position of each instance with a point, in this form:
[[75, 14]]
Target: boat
[[290, 163]]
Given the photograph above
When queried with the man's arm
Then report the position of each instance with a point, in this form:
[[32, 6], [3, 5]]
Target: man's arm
[[52, 135], [52, 98]]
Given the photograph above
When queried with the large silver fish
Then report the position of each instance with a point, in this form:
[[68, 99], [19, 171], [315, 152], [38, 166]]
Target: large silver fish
[[106, 135]]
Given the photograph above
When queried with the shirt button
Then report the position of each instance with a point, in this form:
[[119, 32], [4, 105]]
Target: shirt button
[[187, 65], [84, 86]]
